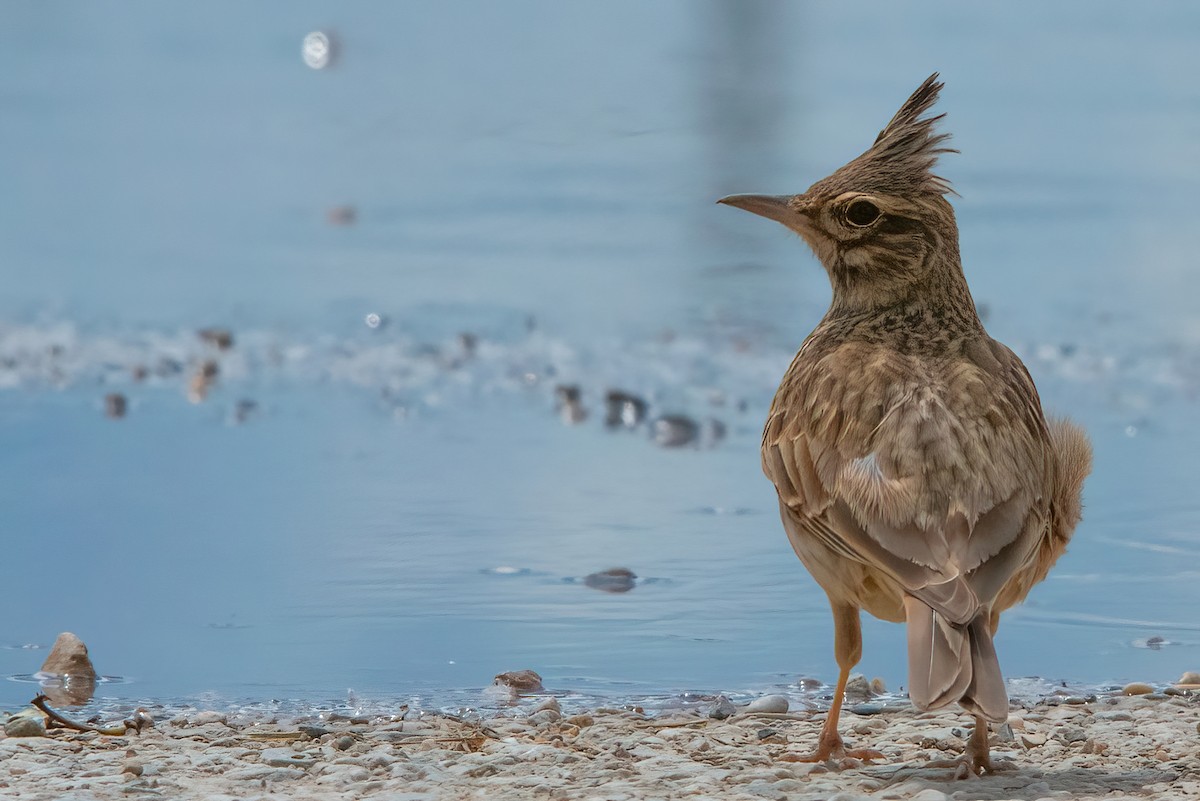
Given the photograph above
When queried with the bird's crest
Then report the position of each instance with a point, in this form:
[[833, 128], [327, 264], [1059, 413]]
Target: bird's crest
[[902, 158]]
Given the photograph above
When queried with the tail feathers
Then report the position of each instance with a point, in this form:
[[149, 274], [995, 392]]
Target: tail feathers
[[949, 662]]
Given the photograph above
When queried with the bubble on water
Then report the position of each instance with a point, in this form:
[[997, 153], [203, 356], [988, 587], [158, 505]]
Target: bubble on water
[[318, 50], [1131, 431], [373, 320]]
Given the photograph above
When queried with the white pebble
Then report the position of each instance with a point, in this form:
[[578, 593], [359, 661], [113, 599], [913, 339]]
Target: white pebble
[[768, 703]]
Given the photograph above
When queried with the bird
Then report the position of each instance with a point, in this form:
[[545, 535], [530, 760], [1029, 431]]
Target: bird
[[918, 477]]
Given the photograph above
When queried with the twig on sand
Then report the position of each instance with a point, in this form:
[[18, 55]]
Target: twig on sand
[[134, 723]]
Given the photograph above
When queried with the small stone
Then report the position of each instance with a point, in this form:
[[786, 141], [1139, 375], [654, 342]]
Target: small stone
[[549, 704], [344, 743], [72, 678], [569, 402], [623, 410], [287, 758], [133, 767], [344, 214], [615, 579], [858, 688], [115, 405], [721, 708], [675, 431], [1137, 688], [877, 686], [207, 717], [769, 703], [1075, 700], [25, 727], [582, 721], [868, 708], [769, 734], [1072, 734], [69, 656], [221, 338], [929, 794], [526, 681], [1114, 716], [1004, 733], [545, 717], [1190, 677], [1031, 740], [314, 732]]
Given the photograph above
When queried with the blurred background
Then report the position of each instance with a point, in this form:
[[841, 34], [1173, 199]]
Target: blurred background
[[306, 344]]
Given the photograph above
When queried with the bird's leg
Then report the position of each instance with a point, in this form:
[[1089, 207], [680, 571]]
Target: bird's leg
[[847, 645], [977, 757], [978, 752]]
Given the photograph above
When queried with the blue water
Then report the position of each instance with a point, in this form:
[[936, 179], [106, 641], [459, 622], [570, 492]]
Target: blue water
[[542, 176]]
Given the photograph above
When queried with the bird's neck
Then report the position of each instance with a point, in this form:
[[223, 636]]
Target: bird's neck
[[937, 307]]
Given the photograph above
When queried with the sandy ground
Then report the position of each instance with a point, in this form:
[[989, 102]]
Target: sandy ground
[[1117, 747]]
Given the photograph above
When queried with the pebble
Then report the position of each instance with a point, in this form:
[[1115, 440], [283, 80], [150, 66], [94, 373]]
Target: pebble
[[207, 717], [858, 688], [1137, 688], [929, 794], [25, 727], [527, 681], [768, 703], [221, 338], [287, 758], [115, 405], [674, 431], [722, 708], [550, 704], [1190, 677], [623, 409], [344, 743], [133, 767], [615, 579]]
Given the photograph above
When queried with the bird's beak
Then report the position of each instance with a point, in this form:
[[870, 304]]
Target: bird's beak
[[773, 207]]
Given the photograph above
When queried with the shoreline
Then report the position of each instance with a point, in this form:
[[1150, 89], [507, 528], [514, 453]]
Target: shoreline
[[1109, 746]]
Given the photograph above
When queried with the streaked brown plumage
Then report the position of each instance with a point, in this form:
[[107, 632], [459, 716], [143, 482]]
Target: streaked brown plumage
[[917, 476]]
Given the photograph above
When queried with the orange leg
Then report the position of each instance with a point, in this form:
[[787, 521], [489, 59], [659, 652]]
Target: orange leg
[[847, 646]]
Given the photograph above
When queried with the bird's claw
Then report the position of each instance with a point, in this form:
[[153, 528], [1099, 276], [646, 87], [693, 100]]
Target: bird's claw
[[833, 752]]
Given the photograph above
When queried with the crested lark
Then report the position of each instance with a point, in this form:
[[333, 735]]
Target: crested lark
[[917, 476]]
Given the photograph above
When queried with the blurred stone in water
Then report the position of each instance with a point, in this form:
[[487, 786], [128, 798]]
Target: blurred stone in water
[[526, 681], [675, 431], [570, 403], [221, 338], [623, 409], [69, 677], [318, 50], [202, 380], [468, 342], [115, 405], [615, 579], [244, 410], [342, 215]]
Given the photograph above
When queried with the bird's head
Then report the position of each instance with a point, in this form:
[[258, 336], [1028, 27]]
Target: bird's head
[[880, 224]]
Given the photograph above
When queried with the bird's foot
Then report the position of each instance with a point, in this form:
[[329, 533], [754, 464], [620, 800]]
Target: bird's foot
[[833, 751]]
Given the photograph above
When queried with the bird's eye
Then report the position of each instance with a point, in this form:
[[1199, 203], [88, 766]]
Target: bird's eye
[[862, 213]]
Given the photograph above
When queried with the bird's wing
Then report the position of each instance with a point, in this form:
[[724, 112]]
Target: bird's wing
[[939, 485]]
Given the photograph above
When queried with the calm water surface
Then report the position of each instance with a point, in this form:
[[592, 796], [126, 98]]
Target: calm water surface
[[403, 517]]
